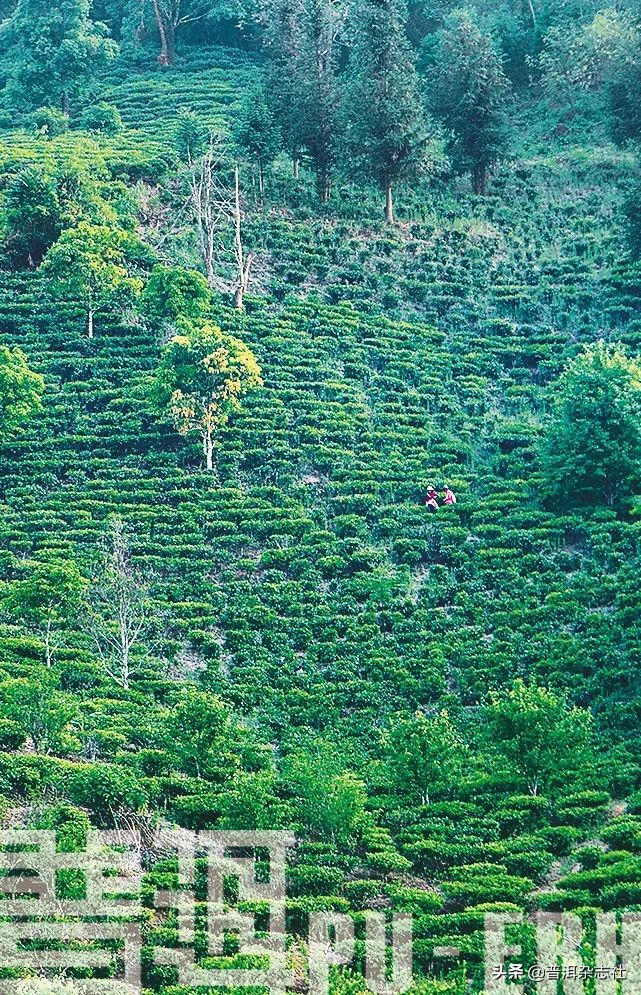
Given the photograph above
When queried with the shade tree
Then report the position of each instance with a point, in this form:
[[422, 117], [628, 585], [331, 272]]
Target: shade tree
[[256, 135], [21, 390], [118, 611], [92, 264], [423, 754], [41, 201], [173, 292], [172, 15], [47, 599], [591, 449], [52, 52], [202, 376], [547, 740], [470, 92], [388, 134], [42, 712]]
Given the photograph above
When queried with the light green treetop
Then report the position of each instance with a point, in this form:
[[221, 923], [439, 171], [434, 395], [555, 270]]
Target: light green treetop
[[422, 754], [46, 598], [21, 389], [592, 448], [203, 374], [91, 264], [173, 292], [545, 739]]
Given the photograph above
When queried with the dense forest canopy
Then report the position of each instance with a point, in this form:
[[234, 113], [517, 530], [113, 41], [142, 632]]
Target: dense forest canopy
[[320, 457]]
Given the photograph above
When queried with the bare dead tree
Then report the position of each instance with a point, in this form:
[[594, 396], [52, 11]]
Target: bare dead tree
[[210, 203], [243, 261], [118, 607], [218, 214]]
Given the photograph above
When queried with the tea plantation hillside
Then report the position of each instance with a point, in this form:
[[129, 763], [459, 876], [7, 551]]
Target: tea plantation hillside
[[444, 706]]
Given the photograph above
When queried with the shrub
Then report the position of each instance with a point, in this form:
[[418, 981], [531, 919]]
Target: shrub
[[103, 118], [48, 121]]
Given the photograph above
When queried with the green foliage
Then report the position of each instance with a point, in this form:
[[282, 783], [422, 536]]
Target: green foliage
[[21, 390], [47, 599], [470, 94], [43, 714], [424, 755], [52, 52], [44, 987], [48, 121], [387, 130], [585, 57], [190, 136], [329, 803], [303, 595], [102, 117], [592, 449], [256, 135], [548, 742], [632, 220], [92, 264], [41, 201], [172, 293], [203, 374]]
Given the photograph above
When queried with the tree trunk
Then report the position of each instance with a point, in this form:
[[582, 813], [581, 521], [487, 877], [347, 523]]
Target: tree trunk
[[163, 58], [242, 262], [325, 183], [48, 643], [124, 670], [296, 167], [90, 324], [389, 202], [64, 103], [479, 180], [533, 15], [208, 446], [261, 184], [171, 43]]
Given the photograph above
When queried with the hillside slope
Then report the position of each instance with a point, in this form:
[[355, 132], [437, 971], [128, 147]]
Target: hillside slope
[[305, 583]]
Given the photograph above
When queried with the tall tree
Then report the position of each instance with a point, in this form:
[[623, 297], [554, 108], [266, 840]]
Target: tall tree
[[52, 52], [591, 451], [47, 599], [21, 390], [256, 135], [470, 92], [171, 15], [388, 135], [547, 740], [90, 264], [118, 606], [201, 378], [319, 99], [423, 754], [303, 37], [283, 38]]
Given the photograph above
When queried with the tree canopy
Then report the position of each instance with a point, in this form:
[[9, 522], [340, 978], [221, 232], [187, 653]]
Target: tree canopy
[[21, 390], [52, 51], [93, 264], [592, 447], [201, 378]]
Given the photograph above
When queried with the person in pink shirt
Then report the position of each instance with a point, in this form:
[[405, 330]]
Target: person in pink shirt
[[449, 497]]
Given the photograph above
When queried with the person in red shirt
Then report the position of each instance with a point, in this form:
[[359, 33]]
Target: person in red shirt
[[431, 499]]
